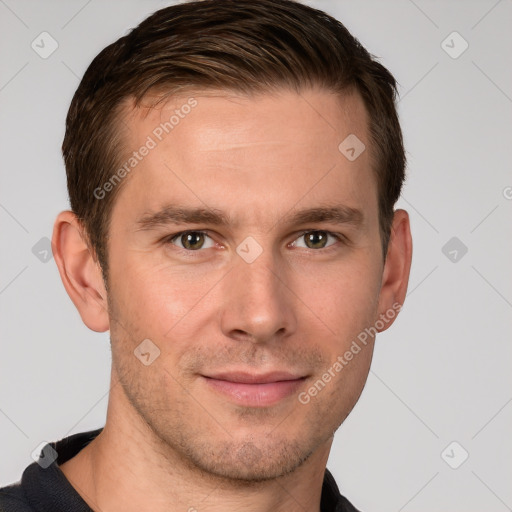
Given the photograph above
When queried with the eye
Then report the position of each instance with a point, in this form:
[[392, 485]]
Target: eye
[[191, 240], [315, 239]]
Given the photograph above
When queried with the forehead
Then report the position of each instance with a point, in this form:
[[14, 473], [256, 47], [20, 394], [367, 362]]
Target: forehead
[[222, 150]]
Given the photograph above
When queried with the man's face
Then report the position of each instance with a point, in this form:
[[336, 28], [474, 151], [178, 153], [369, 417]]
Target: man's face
[[236, 307]]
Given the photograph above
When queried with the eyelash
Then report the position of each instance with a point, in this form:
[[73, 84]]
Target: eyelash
[[169, 240]]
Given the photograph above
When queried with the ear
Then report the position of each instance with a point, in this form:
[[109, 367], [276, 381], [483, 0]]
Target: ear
[[79, 271], [395, 276]]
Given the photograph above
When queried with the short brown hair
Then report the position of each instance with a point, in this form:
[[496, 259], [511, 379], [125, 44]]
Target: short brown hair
[[244, 46]]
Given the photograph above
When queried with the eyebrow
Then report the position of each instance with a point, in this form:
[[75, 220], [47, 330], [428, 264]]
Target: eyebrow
[[172, 214]]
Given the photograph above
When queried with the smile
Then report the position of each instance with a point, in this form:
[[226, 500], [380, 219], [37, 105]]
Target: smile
[[255, 390]]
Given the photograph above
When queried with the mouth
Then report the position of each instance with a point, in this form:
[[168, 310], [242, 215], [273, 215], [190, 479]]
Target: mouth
[[255, 390]]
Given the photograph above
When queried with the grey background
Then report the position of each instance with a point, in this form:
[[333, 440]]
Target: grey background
[[440, 374]]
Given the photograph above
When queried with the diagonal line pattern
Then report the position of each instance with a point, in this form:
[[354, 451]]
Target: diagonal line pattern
[[289, 288], [14, 218], [282, 282], [501, 409], [485, 218], [424, 13], [76, 14], [486, 14], [12, 12], [508, 508], [410, 409], [72, 72], [91, 408], [418, 82], [13, 279], [403, 506], [111, 316], [421, 215], [197, 402], [14, 76], [290, 495], [423, 280], [14, 423], [317, 112], [492, 81], [300, 199], [490, 284], [209, 494]]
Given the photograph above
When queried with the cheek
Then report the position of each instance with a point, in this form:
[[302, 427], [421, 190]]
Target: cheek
[[151, 291], [158, 299], [344, 304], [342, 296]]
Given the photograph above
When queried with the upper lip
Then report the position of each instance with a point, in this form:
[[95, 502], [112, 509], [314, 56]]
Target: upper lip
[[254, 378]]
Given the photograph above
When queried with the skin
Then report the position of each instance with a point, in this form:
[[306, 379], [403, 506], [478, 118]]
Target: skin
[[169, 437]]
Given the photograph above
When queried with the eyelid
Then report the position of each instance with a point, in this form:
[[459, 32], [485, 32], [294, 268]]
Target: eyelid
[[169, 239], [339, 237]]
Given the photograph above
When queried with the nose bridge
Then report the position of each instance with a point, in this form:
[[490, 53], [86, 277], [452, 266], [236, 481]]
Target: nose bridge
[[257, 301], [257, 272], [256, 259], [259, 276]]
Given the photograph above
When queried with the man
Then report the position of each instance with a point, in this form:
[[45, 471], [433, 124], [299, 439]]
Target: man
[[232, 169]]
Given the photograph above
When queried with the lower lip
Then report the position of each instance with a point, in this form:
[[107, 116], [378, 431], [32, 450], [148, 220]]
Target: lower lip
[[255, 395]]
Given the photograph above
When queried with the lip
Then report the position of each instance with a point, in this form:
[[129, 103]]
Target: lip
[[254, 390]]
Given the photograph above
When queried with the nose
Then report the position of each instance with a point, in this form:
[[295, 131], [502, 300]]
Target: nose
[[257, 303]]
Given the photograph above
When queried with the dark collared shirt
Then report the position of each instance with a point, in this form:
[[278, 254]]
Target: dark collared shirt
[[46, 489]]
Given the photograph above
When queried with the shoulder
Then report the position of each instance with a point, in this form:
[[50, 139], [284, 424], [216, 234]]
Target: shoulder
[[13, 499], [332, 500], [43, 486]]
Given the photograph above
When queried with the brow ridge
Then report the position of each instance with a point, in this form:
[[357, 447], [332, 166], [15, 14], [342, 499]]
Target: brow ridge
[[173, 214]]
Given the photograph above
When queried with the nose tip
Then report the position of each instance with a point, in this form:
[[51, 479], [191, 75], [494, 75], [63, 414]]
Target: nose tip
[[258, 305]]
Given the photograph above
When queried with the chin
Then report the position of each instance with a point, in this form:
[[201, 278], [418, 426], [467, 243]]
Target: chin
[[247, 462]]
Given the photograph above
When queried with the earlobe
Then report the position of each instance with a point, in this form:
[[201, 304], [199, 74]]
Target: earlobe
[[80, 273], [395, 277]]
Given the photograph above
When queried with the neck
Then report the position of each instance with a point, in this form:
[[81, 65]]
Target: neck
[[128, 468]]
